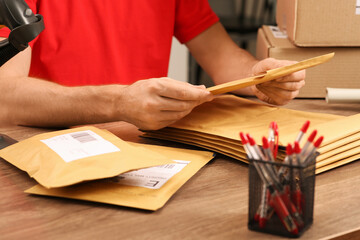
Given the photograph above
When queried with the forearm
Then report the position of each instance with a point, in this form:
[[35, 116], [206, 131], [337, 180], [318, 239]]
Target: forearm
[[148, 104], [220, 57], [234, 65], [35, 102], [237, 65]]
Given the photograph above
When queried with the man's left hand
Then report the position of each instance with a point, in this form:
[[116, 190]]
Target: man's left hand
[[279, 91]]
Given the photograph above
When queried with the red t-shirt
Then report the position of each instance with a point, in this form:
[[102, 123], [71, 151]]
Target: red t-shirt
[[96, 42]]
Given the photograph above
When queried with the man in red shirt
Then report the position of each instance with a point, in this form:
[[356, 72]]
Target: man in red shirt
[[107, 60]]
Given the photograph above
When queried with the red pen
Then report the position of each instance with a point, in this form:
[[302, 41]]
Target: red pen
[[285, 188], [268, 153], [297, 151], [281, 210], [297, 194], [308, 157], [267, 149], [277, 203], [263, 207], [283, 193], [266, 168], [268, 180], [291, 206], [271, 167], [254, 153], [273, 138], [308, 143], [255, 147], [266, 174], [245, 143], [302, 131], [289, 152], [279, 206]]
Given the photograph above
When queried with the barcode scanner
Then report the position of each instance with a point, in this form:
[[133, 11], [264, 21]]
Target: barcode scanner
[[24, 25]]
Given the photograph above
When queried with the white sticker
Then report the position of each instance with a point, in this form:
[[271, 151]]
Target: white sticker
[[153, 177], [357, 12], [77, 145], [277, 33]]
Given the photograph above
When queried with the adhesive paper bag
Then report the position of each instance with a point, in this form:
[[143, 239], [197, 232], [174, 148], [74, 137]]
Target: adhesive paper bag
[[66, 157], [347, 140], [227, 115], [237, 152], [270, 75], [216, 125], [148, 188]]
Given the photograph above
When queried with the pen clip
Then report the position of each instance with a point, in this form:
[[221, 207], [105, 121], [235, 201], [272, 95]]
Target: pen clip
[[273, 138]]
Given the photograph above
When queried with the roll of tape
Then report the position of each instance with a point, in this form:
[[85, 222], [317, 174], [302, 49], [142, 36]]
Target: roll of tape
[[342, 95]]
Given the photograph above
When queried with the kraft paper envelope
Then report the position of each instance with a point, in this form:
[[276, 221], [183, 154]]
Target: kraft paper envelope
[[201, 138], [211, 145], [340, 149], [345, 157], [270, 75], [202, 145], [225, 148], [216, 125], [334, 130], [237, 152], [185, 132], [339, 156], [211, 140], [338, 164], [339, 143], [138, 190], [227, 115], [66, 157]]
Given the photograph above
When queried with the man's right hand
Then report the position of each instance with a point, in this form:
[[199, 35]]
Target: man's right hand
[[148, 104], [156, 103]]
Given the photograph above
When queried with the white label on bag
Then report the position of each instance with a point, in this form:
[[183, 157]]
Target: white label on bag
[[153, 177], [77, 145], [277, 32], [357, 12]]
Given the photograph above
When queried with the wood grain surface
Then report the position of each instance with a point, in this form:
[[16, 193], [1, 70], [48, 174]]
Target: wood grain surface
[[211, 205]]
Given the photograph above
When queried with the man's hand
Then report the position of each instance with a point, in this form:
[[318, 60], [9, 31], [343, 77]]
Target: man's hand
[[279, 91], [155, 103]]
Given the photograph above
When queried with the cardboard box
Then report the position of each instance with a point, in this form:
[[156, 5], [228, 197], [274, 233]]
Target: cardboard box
[[343, 71], [320, 22]]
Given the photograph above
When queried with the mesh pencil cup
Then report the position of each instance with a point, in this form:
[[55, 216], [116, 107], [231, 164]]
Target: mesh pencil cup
[[281, 197]]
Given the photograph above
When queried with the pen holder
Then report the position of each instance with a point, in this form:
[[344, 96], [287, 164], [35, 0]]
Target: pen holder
[[284, 207]]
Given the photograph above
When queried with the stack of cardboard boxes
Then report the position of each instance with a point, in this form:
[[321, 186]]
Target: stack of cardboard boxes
[[308, 28]]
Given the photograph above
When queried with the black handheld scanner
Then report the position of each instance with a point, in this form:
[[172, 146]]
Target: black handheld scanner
[[24, 25]]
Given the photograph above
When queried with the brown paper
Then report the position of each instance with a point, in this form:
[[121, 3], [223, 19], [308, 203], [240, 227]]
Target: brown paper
[[51, 170], [270, 75], [334, 130], [113, 191], [337, 164], [216, 125], [340, 149], [206, 143], [339, 143], [228, 115], [339, 156]]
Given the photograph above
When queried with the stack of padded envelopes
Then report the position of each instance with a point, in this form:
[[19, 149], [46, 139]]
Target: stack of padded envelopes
[[216, 125]]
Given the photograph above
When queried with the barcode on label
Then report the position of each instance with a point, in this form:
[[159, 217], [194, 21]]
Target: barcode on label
[[168, 166], [83, 137], [277, 32]]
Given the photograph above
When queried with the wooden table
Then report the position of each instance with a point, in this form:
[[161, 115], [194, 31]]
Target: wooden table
[[211, 205]]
